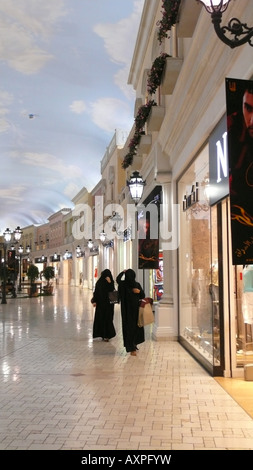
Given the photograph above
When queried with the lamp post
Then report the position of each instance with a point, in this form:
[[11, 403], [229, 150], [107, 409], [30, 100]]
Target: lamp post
[[78, 251], [239, 32], [102, 236], [7, 239], [136, 186], [117, 220], [90, 244]]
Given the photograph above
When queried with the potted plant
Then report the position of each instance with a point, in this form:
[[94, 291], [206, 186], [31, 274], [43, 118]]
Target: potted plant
[[48, 274], [32, 274]]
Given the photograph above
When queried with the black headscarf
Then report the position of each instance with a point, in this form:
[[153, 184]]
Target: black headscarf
[[106, 273], [130, 278]]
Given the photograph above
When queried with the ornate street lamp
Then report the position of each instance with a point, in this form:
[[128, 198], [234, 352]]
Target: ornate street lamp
[[136, 185], [7, 239], [117, 222], [102, 236], [78, 251], [90, 243], [239, 32]]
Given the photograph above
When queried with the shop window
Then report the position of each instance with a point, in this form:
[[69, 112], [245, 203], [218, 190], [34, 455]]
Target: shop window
[[243, 290], [199, 313]]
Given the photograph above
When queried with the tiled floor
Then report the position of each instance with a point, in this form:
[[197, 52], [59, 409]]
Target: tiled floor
[[60, 390]]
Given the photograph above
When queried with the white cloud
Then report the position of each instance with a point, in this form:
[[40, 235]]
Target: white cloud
[[52, 163], [71, 190], [22, 23], [111, 113], [120, 38], [120, 79], [12, 193], [5, 100], [119, 41], [78, 107]]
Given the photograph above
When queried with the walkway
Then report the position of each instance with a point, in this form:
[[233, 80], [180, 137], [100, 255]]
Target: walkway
[[60, 390]]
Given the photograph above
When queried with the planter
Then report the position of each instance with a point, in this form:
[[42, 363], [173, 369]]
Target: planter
[[33, 291], [145, 144], [48, 290], [188, 17], [171, 73], [155, 118]]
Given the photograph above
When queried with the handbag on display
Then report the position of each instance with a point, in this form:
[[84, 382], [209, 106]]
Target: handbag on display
[[113, 297], [146, 315]]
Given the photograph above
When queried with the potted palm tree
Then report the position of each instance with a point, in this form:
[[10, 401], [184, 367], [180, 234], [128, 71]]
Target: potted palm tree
[[32, 274], [48, 274]]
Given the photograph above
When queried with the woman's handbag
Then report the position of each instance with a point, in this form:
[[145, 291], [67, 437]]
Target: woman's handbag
[[113, 297], [146, 316]]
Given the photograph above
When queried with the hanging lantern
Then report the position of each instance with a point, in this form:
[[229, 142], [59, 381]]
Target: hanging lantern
[[136, 185]]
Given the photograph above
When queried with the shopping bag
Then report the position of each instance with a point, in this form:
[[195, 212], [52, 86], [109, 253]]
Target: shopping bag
[[113, 297], [146, 316]]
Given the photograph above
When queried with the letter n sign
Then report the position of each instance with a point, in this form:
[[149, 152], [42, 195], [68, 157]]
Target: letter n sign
[[218, 163]]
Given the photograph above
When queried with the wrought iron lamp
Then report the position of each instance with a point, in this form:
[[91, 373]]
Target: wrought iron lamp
[[7, 239], [236, 33], [90, 243], [116, 220], [136, 186], [102, 236], [78, 251]]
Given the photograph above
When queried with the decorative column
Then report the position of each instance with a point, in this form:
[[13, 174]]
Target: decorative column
[[166, 318]]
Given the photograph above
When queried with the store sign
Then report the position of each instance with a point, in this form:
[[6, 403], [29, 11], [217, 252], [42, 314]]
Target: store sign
[[218, 163], [191, 199]]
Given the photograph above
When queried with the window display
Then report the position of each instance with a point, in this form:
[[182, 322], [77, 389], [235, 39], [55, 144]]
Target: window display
[[244, 314], [198, 264]]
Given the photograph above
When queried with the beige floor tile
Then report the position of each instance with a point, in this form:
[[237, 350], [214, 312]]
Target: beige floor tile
[[60, 390]]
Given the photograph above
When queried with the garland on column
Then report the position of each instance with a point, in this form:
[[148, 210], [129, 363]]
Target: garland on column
[[156, 73], [169, 18], [140, 120]]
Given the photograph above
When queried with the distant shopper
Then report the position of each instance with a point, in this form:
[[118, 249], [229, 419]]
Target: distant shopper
[[130, 292], [103, 326]]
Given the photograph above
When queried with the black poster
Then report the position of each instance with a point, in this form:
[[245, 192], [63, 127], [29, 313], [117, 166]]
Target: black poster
[[239, 97], [148, 243]]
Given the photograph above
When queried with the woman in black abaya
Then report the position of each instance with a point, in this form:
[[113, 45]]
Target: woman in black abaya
[[130, 292], [103, 326]]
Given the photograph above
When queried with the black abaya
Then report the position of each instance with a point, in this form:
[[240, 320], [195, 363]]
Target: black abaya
[[129, 302], [103, 326]]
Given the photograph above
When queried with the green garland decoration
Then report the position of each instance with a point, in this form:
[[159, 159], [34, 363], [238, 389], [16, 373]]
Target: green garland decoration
[[169, 18], [156, 73], [140, 120]]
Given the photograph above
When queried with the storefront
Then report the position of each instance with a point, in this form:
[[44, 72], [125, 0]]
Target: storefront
[[215, 307]]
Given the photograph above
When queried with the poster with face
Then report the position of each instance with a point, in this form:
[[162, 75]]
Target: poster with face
[[239, 99]]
